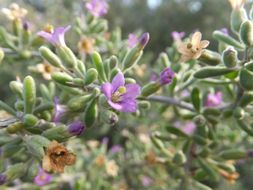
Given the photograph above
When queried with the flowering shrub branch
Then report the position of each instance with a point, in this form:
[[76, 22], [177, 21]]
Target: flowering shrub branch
[[70, 91]]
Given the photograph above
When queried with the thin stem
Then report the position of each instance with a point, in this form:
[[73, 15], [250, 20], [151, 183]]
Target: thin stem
[[171, 101]]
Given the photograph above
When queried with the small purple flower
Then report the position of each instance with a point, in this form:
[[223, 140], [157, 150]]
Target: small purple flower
[[76, 128], [189, 128], [146, 181], [42, 178], [224, 31], [214, 100], [132, 40], [97, 8], [177, 35], [105, 140], [116, 148], [59, 110], [166, 76], [119, 96], [144, 39], [57, 37], [250, 153], [3, 179]]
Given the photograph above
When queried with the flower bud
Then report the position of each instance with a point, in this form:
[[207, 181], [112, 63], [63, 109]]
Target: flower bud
[[246, 78], [144, 104], [76, 128], [91, 113], [210, 57], [220, 36], [212, 72], [62, 78], [97, 61], [150, 89], [91, 76], [144, 39], [109, 117], [239, 113], [50, 57], [17, 88], [246, 33], [29, 94], [30, 120], [238, 16], [229, 57], [166, 76], [227, 167], [179, 158], [67, 56], [233, 154]]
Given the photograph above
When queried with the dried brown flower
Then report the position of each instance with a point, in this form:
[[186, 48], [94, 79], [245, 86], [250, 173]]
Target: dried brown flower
[[57, 157]]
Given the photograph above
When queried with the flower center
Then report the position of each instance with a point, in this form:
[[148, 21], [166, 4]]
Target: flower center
[[116, 95]]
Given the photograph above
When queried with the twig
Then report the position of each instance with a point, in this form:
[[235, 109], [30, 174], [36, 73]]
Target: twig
[[171, 101]]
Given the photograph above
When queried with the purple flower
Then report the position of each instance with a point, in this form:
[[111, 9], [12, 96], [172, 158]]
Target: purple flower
[[177, 35], [119, 96], [224, 31], [76, 128], [189, 128], [57, 37], [42, 178], [26, 25], [214, 100], [115, 148], [97, 8], [146, 181], [3, 179], [132, 40], [166, 76], [59, 110]]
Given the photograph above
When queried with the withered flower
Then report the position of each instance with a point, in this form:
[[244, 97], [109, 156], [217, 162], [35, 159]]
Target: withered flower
[[236, 4], [57, 157], [46, 70], [193, 49], [14, 12], [86, 45], [151, 158]]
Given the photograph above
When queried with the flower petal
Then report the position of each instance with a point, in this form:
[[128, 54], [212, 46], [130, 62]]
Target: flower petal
[[116, 106], [132, 91], [118, 81], [196, 37], [45, 35], [204, 43], [129, 105], [106, 88]]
